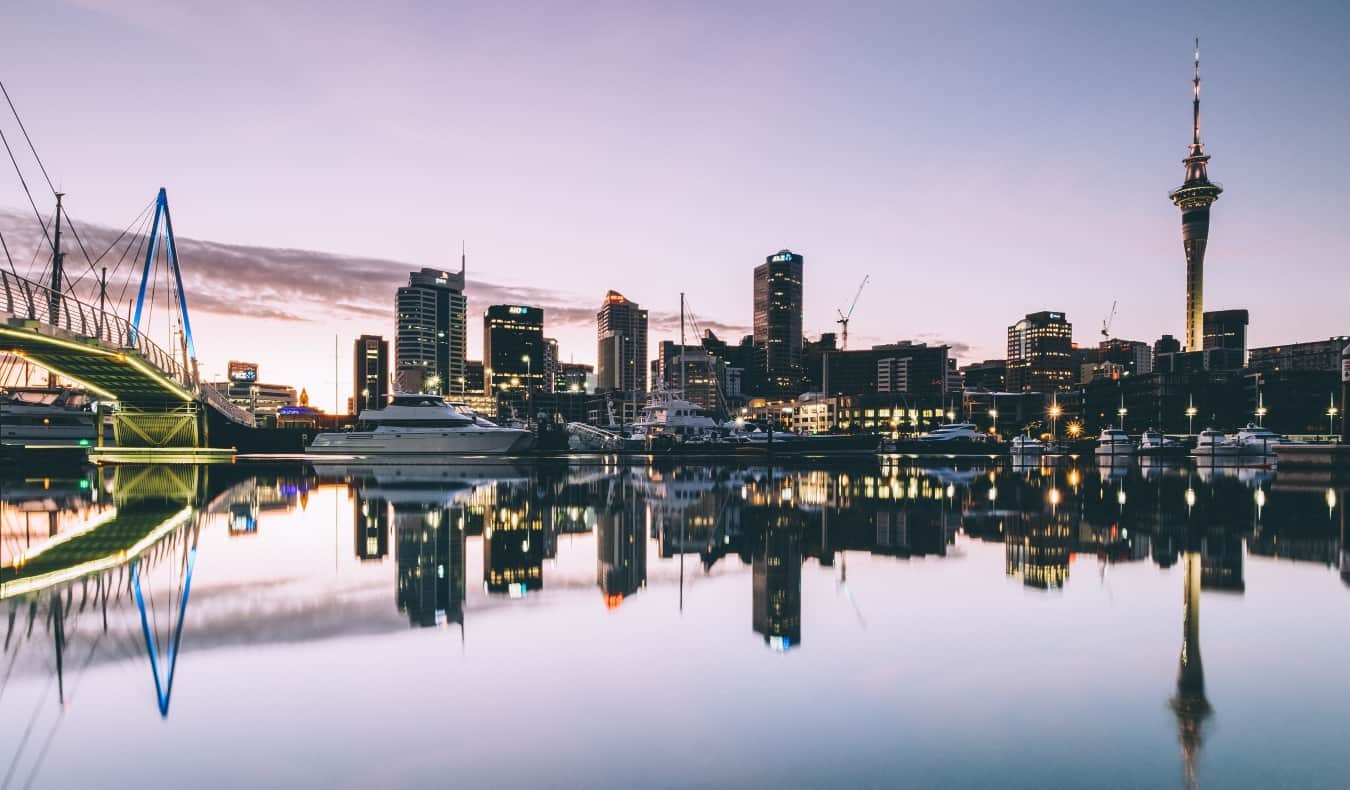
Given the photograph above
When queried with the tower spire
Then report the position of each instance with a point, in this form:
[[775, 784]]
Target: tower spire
[[1195, 140], [463, 255]]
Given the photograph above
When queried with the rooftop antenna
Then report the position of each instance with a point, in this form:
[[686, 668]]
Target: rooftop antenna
[[1196, 107], [463, 256]]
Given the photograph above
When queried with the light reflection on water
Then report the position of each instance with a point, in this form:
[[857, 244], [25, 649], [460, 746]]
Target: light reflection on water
[[565, 623]]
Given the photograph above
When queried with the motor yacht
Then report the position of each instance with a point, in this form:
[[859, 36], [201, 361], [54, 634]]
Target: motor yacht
[[1255, 440], [1023, 445], [1215, 444], [422, 425], [667, 415], [954, 432], [47, 418], [1155, 443], [1114, 442]]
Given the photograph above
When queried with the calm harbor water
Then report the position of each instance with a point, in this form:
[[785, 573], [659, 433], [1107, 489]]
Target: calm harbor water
[[567, 624]]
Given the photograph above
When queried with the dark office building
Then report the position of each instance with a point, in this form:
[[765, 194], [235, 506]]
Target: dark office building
[[370, 383], [513, 348], [1319, 355], [915, 369], [473, 376], [1227, 329], [702, 380], [1040, 353], [430, 339], [1165, 345], [990, 375], [513, 550], [572, 377], [778, 322], [1134, 357], [550, 364], [621, 354]]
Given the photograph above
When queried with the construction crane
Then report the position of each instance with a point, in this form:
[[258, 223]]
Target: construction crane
[[1106, 325], [844, 317]]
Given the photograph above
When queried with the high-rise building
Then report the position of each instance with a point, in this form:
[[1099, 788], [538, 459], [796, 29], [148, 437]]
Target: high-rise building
[[1227, 329], [621, 326], [702, 380], [430, 340], [1133, 356], [776, 582], [1194, 198], [550, 365], [778, 322], [370, 382], [990, 374], [513, 348], [573, 377], [1040, 353], [621, 550]]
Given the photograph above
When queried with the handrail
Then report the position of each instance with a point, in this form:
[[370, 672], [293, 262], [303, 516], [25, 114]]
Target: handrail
[[23, 298]]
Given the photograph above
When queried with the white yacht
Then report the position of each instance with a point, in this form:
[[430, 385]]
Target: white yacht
[[954, 432], [47, 418], [1153, 442], [1255, 440], [1114, 442], [668, 415], [1215, 444], [422, 425], [1023, 445]]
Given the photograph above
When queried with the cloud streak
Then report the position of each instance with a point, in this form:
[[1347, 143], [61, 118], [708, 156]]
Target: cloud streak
[[289, 284]]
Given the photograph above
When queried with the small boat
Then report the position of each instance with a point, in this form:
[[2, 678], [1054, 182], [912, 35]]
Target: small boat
[[1215, 444], [1023, 445], [47, 418], [422, 425], [671, 417], [1154, 443], [1114, 442], [1255, 440]]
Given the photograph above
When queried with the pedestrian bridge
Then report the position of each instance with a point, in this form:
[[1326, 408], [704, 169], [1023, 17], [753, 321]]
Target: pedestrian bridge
[[159, 400]]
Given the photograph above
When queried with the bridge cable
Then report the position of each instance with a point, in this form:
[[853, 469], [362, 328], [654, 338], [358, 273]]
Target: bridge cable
[[139, 220], [26, 191], [8, 257]]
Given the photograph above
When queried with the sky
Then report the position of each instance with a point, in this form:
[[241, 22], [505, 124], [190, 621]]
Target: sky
[[978, 161]]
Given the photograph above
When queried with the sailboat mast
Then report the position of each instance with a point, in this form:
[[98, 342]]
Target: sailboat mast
[[681, 345]]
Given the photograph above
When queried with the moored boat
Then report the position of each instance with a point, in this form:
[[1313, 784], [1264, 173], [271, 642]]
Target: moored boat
[[422, 425]]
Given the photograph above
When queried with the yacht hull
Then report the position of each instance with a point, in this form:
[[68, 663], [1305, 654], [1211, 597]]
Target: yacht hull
[[499, 441]]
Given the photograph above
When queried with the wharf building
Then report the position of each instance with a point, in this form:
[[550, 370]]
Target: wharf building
[[513, 353], [621, 353], [778, 323], [430, 334], [370, 373], [1194, 197], [1319, 355], [264, 401], [990, 375], [1040, 353]]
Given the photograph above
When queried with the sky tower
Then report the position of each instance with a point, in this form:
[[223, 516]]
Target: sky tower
[[1194, 198]]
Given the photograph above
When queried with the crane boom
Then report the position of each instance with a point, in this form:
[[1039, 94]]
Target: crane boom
[[844, 317], [1106, 325]]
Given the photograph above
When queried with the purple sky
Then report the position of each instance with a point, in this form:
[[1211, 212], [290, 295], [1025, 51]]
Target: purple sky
[[977, 161]]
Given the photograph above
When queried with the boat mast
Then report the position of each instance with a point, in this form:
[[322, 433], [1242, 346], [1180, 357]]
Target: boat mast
[[682, 345], [58, 274]]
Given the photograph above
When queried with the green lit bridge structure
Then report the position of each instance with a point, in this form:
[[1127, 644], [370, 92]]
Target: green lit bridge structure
[[158, 400]]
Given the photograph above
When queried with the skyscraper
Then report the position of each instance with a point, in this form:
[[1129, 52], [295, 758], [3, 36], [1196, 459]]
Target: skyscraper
[[513, 348], [1227, 329], [778, 321], [430, 340], [1194, 198], [370, 374], [621, 326], [1040, 353]]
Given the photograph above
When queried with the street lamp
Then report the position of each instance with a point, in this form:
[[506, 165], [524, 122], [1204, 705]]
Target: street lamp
[[1055, 411], [528, 381], [1121, 412], [993, 415], [1332, 411], [1191, 411]]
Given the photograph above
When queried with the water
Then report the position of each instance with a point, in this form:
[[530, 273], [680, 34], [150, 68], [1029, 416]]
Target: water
[[603, 625]]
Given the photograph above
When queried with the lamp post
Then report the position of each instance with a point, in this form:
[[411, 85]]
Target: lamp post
[[1191, 411], [1261, 409], [1332, 411], [1055, 411], [529, 403], [993, 415]]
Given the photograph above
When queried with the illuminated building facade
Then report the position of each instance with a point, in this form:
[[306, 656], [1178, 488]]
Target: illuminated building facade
[[513, 549], [370, 374], [371, 541], [1194, 197], [431, 563], [778, 322], [513, 348], [621, 550], [777, 581], [430, 334], [1040, 353], [621, 354]]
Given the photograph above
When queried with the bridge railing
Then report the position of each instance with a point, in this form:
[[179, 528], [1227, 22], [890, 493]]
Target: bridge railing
[[222, 403]]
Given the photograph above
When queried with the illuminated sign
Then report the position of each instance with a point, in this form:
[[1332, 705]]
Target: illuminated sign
[[517, 310], [782, 257], [243, 371]]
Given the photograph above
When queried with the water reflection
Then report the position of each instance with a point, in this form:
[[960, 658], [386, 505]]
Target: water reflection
[[98, 567]]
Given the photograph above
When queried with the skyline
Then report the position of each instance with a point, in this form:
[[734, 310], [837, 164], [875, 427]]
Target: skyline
[[701, 202]]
